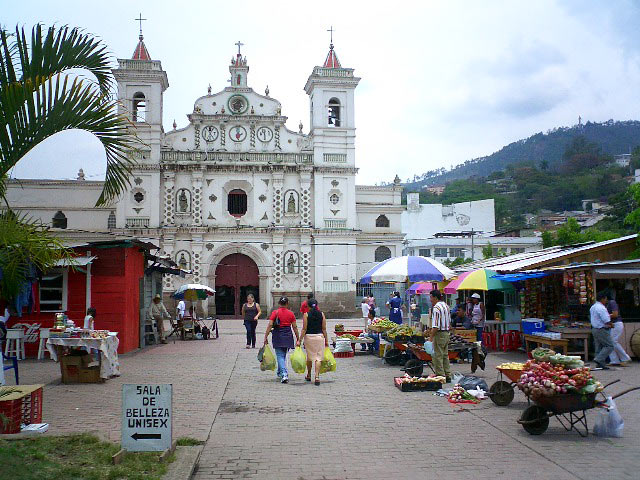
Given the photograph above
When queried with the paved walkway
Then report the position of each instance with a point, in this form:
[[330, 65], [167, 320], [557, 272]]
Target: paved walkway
[[355, 425]]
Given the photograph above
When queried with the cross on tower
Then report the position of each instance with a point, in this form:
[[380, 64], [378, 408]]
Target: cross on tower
[[140, 19], [239, 44], [331, 30]]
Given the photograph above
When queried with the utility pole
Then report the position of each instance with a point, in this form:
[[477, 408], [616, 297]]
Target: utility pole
[[473, 252]]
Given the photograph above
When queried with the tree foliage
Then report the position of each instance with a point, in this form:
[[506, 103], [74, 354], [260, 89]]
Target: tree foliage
[[570, 234]]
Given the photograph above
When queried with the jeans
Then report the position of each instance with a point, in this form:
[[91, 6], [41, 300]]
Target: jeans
[[479, 334], [619, 354], [251, 325], [281, 356], [603, 343], [440, 355]]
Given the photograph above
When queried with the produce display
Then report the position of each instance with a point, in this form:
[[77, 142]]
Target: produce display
[[381, 324], [399, 330], [546, 379], [349, 336], [511, 366], [431, 378], [459, 394], [339, 327]]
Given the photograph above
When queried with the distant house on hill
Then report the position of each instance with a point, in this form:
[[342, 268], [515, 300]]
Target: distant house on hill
[[435, 189]]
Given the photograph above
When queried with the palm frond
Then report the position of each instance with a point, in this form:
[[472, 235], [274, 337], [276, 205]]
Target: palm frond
[[37, 100]]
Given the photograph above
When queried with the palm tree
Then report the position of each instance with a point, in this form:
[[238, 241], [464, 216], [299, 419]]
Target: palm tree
[[39, 98]]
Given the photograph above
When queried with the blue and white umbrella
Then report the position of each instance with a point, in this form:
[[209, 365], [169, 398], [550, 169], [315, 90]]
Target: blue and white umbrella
[[408, 269]]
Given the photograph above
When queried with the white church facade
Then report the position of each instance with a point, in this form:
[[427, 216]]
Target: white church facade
[[237, 198]]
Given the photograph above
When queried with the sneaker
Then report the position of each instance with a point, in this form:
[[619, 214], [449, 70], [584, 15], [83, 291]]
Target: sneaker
[[625, 364], [284, 380]]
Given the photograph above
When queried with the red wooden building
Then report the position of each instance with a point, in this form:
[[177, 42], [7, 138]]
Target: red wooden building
[[117, 278]]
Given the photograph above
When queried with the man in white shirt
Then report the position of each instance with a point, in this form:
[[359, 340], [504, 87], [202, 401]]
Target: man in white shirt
[[181, 309], [439, 335], [601, 330]]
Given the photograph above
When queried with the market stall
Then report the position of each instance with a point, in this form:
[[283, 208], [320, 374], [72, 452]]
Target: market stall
[[85, 356]]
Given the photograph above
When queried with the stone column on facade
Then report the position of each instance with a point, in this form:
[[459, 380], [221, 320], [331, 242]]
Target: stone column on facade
[[305, 261], [278, 264], [167, 251], [197, 248], [277, 185], [196, 207], [305, 197], [169, 198]]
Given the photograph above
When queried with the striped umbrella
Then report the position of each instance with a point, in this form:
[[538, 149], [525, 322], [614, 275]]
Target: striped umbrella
[[481, 279], [193, 291], [408, 269]]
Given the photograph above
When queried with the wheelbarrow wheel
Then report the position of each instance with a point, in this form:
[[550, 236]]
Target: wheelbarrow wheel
[[393, 357], [501, 393], [535, 420], [414, 367]]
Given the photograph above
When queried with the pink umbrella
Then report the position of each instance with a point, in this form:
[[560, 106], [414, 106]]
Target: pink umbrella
[[453, 285]]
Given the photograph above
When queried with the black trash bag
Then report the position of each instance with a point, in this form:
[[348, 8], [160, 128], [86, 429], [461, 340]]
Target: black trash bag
[[469, 382]]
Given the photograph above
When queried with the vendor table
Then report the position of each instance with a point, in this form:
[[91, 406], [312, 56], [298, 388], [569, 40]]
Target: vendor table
[[551, 342], [501, 327], [108, 348], [575, 334]]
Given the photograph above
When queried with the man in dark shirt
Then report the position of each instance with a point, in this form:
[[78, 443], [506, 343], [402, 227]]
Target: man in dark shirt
[[460, 320]]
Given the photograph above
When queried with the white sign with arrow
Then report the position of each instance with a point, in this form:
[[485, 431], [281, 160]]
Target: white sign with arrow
[[146, 417]]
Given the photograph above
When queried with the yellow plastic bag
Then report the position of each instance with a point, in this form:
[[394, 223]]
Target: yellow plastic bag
[[328, 363], [298, 360], [268, 359]]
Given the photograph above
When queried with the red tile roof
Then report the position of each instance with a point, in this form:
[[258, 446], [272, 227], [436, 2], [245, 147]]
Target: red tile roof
[[332, 59], [141, 52]]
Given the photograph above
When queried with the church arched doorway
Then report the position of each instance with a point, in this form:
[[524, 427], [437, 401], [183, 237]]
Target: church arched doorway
[[236, 277]]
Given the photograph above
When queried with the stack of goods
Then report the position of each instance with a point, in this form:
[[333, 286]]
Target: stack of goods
[[339, 327], [541, 297], [511, 366], [550, 374], [96, 334], [407, 383], [551, 335], [399, 333], [580, 284], [343, 346], [381, 324]]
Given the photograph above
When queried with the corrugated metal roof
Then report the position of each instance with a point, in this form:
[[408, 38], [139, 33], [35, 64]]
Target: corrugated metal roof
[[75, 262], [524, 261]]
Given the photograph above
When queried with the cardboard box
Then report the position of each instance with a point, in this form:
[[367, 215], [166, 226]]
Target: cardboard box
[[89, 375]]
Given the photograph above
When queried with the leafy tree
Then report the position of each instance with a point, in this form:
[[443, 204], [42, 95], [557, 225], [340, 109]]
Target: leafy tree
[[544, 165], [487, 251], [548, 239], [40, 97]]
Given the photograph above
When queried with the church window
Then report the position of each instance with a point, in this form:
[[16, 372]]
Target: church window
[[237, 203], [238, 79], [334, 198], [334, 112], [139, 107], [382, 221], [111, 221], [382, 254], [59, 220]]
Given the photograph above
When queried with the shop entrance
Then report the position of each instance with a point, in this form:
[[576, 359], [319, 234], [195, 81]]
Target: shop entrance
[[236, 277]]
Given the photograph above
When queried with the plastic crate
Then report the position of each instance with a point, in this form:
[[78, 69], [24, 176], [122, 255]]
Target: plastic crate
[[343, 354], [417, 387], [27, 408]]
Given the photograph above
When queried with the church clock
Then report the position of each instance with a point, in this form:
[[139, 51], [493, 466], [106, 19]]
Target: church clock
[[237, 104], [210, 133], [265, 134]]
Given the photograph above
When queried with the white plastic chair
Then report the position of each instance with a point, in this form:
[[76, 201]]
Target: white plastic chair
[[15, 343], [42, 347]]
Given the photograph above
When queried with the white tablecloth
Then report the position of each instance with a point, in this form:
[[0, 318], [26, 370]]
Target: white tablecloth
[[108, 347]]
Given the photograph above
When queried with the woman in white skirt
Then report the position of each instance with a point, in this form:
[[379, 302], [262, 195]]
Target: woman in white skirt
[[314, 333], [619, 357]]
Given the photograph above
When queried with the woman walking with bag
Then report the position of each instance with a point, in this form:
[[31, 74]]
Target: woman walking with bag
[[281, 322], [251, 312], [314, 333]]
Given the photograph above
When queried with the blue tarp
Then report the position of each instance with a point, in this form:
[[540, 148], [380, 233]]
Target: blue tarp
[[518, 277]]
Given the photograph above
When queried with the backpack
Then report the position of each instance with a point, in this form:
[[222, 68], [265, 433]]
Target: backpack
[[206, 333]]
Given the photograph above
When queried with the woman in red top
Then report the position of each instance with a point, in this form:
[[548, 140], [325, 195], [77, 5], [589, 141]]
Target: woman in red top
[[280, 324]]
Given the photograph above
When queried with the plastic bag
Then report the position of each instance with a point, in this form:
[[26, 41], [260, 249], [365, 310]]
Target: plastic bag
[[609, 422], [428, 347], [268, 359], [343, 346], [456, 378], [298, 360], [328, 363], [470, 382]]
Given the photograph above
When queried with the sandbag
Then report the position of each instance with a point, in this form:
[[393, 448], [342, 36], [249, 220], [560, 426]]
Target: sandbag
[[298, 360], [268, 359], [328, 363]]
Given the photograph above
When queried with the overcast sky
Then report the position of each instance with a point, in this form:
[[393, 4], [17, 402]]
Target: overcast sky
[[442, 81]]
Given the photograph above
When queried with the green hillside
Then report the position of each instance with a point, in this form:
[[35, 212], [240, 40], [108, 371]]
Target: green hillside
[[541, 149]]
